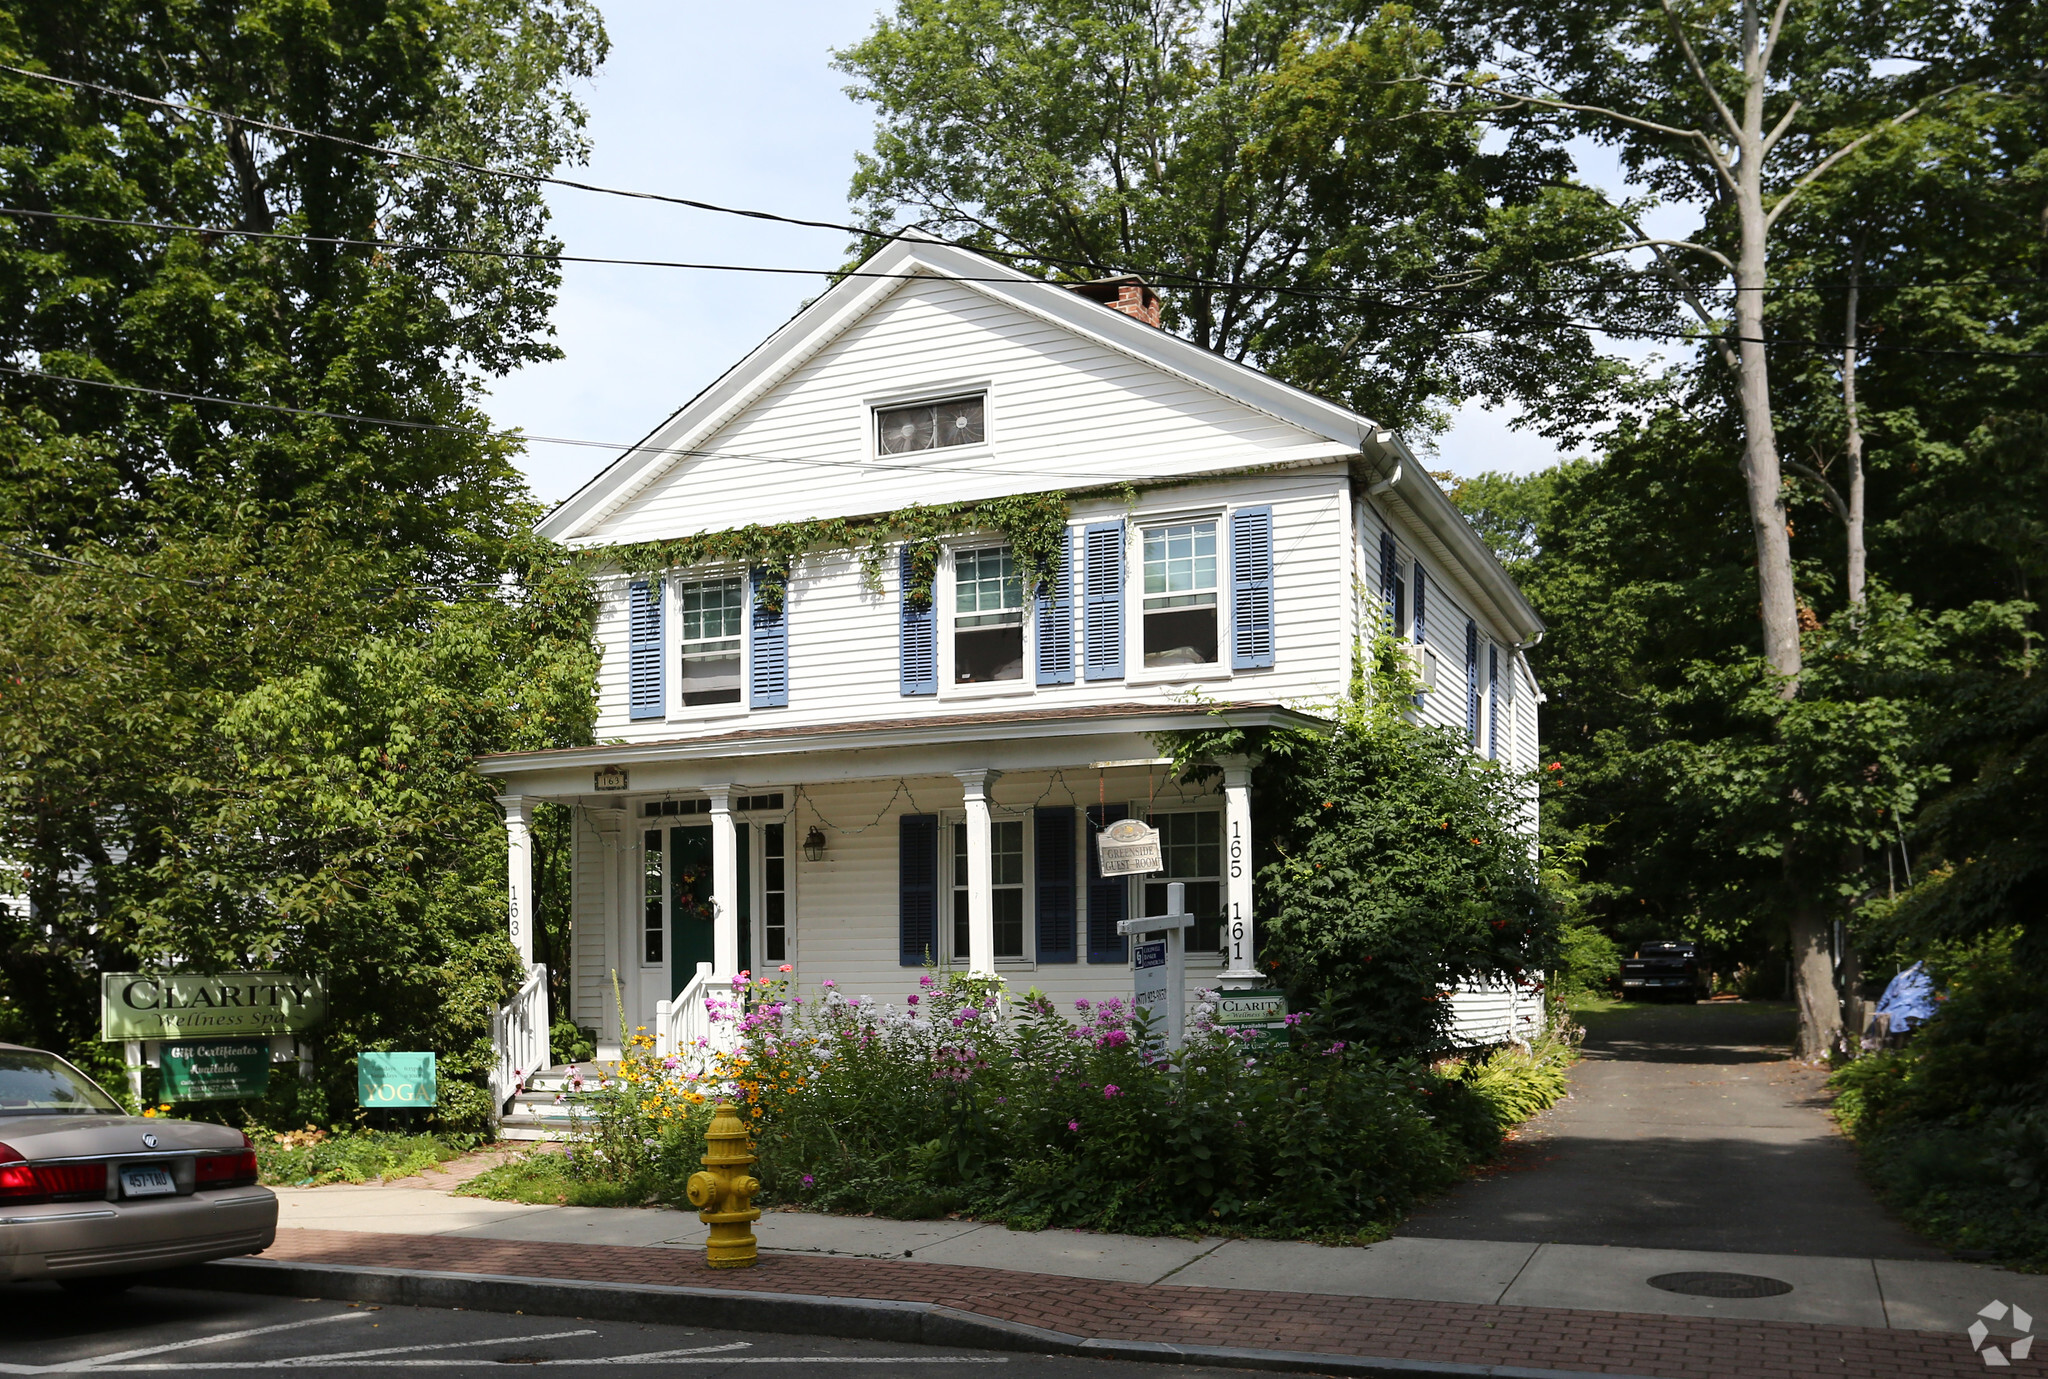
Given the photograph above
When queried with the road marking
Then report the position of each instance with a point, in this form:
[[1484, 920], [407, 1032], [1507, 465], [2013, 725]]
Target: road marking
[[408, 1349], [99, 1361]]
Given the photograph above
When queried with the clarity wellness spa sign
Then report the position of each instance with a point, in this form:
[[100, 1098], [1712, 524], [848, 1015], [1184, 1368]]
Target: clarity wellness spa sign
[[141, 1005]]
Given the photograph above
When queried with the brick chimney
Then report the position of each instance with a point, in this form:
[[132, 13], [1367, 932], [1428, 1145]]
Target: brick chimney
[[1128, 294]]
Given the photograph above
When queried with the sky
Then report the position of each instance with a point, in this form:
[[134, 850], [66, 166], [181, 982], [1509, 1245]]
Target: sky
[[739, 105]]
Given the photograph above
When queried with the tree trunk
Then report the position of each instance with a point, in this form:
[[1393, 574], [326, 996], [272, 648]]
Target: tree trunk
[[1760, 468], [1813, 978], [1855, 454]]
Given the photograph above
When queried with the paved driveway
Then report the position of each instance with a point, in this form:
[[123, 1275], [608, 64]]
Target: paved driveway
[[1687, 1128]]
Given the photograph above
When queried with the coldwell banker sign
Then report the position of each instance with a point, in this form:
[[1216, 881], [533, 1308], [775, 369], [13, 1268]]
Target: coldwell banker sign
[[143, 1005]]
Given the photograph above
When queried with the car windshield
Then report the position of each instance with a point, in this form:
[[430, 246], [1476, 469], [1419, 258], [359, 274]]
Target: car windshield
[[34, 1083]]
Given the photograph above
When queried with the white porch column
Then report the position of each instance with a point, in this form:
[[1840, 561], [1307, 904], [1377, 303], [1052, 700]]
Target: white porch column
[[981, 916], [1239, 969], [519, 868], [725, 883]]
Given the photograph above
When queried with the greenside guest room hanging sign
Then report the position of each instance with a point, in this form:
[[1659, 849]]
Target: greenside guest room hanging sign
[[147, 1005]]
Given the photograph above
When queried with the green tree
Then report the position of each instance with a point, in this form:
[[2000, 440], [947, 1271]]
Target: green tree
[[1270, 164], [246, 650]]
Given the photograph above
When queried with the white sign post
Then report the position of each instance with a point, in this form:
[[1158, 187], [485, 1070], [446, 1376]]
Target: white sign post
[[1160, 985]]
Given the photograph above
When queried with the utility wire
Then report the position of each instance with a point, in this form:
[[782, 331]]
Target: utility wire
[[1156, 277], [1634, 284]]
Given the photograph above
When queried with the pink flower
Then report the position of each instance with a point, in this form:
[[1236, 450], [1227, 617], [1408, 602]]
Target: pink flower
[[925, 980], [969, 1013], [1337, 1047], [1073, 1125], [828, 983], [911, 1000], [785, 968], [1081, 1005], [808, 1180], [1112, 1090]]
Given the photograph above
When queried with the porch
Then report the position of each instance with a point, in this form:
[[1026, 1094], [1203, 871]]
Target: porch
[[864, 854]]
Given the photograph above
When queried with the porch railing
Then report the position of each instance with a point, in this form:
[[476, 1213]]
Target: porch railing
[[519, 1032], [682, 1027]]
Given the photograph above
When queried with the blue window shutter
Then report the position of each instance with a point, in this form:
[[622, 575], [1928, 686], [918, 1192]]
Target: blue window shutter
[[1054, 848], [1251, 588], [1420, 601], [1472, 683], [1108, 896], [917, 902], [768, 656], [646, 658], [1493, 702], [1390, 572], [1102, 614], [1056, 626], [920, 640]]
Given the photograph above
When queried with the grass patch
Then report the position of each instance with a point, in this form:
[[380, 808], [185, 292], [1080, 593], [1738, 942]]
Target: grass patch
[[547, 1178], [314, 1158]]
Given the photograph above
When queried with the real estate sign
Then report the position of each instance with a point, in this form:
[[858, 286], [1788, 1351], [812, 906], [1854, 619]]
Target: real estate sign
[[216, 1069], [184, 1005]]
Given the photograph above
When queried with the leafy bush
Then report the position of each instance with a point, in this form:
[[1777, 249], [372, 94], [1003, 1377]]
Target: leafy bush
[[1954, 1127], [313, 1158], [1587, 964], [1393, 863], [964, 1101]]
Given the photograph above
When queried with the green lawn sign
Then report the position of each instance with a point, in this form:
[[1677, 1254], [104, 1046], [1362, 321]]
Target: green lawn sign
[[193, 1006], [403, 1080], [215, 1069], [1263, 1011]]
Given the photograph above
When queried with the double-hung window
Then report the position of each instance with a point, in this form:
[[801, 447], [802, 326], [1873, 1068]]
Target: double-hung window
[[1006, 882], [1180, 594], [988, 616], [1191, 846], [711, 614], [923, 426]]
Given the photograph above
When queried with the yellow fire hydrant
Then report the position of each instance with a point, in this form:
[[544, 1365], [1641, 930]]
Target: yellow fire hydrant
[[723, 1192]]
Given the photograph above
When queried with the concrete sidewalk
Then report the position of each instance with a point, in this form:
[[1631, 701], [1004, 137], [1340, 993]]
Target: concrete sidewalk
[[1899, 1295]]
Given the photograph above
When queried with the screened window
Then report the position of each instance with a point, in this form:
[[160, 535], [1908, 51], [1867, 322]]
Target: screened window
[[1006, 879], [654, 919], [930, 426], [988, 617], [775, 891], [1191, 846], [1180, 594], [711, 613]]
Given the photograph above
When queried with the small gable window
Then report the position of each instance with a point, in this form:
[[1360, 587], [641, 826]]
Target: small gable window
[[988, 617], [711, 612], [931, 425], [1180, 594]]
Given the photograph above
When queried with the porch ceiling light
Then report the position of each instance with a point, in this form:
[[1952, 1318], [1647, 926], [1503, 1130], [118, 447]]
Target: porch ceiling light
[[814, 845]]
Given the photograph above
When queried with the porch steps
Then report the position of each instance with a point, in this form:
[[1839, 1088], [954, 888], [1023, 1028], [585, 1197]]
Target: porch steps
[[544, 1110]]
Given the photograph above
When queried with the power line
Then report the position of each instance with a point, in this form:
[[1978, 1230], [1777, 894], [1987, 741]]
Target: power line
[[1156, 276]]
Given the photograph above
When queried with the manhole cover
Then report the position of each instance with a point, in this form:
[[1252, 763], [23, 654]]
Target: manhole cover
[[1710, 1285]]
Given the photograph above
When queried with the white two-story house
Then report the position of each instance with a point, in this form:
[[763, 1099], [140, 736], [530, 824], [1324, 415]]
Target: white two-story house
[[844, 776]]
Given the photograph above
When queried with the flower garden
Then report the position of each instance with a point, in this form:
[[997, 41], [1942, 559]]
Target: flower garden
[[967, 1099]]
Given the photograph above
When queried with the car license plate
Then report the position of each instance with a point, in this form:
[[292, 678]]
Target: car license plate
[[147, 1180]]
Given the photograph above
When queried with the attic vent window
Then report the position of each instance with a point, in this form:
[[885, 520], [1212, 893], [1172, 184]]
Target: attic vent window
[[930, 425]]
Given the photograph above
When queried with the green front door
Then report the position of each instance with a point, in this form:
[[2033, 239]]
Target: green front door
[[689, 909]]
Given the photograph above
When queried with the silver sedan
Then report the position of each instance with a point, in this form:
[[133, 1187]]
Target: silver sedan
[[91, 1196]]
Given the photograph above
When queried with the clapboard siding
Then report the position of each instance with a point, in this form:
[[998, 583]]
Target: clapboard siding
[[843, 663], [1488, 1013], [589, 927], [1065, 411], [845, 928]]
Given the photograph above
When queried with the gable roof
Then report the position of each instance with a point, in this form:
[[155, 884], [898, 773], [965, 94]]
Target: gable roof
[[1330, 430]]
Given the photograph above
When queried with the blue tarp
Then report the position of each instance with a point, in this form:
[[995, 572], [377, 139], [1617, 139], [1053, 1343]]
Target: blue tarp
[[1908, 998]]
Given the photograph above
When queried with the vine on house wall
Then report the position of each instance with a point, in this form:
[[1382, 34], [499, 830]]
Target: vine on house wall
[[1035, 525]]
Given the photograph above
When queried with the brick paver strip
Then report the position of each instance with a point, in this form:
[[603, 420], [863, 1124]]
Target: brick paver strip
[[1461, 1333]]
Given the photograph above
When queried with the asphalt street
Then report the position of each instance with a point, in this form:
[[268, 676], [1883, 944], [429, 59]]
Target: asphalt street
[[1688, 1127], [171, 1331]]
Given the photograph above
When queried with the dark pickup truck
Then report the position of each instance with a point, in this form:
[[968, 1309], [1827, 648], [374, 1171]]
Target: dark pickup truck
[[1666, 970]]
